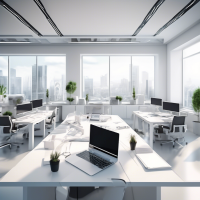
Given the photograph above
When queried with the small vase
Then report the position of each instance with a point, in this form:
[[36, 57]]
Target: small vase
[[1, 97], [132, 145], [54, 166], [120, 103]]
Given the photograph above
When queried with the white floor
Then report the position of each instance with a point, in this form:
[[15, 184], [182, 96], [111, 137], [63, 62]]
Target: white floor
[[184, 161]]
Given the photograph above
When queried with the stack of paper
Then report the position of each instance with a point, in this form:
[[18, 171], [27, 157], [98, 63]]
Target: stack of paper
[[143, 148]]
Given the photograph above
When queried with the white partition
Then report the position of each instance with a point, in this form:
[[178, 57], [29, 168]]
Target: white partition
[[119, 110], [129, 110], [66, 109], [80, 109]]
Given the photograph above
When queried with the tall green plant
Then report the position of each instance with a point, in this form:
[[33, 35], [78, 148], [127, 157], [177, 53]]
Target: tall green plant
[[3, 90], [47, 93], [71, 87], [196, 102], [134, 97]]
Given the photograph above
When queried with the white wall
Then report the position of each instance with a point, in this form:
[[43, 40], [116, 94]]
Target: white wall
[[73, 54], [174, 62]]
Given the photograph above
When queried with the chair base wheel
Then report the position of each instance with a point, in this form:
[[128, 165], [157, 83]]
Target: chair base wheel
[[173, 146], [161, 144], [17, 146], [186, 143]]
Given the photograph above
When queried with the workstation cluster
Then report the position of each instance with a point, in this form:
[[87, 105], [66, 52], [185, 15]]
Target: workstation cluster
[[28, 117]]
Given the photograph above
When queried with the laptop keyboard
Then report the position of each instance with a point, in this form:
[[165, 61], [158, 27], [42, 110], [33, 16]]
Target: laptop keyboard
[[95, 160]]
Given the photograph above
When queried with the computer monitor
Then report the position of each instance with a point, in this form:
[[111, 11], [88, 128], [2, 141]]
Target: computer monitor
[[22, 108], [156, 101], [104, 140], [37, 103], [173, 107]]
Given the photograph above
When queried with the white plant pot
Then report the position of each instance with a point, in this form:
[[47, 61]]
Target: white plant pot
[[1, 97], [132, 102], [196, 127], [47, 100], [119, 102]]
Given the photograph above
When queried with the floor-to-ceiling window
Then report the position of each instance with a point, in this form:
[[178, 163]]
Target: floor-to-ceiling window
[[116, 75], [4, 71], [191, 73], [33, 75]]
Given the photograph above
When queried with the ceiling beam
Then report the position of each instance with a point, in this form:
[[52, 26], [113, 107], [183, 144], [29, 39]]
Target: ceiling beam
[[42, 8], [149, 16], [19, 17], [177, 16]]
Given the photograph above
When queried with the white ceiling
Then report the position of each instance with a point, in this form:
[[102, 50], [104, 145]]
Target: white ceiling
[[93, 17]]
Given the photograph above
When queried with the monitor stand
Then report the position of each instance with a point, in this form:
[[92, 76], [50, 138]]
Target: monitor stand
[[155, 113]]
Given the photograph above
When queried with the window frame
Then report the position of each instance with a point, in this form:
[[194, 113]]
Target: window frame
[[36, 58], [109, 55]]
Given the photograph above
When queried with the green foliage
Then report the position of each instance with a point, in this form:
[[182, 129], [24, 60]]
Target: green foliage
[[134, 94], [196, 101], [2, 90], [71, 87], [8, 113], [119, 98], [70, 99], [54, 156], [47, 93], [19, 101], [133, 139], [87, 97]]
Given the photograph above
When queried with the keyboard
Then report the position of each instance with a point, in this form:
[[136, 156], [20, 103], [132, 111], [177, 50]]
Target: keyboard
[[94, 159]]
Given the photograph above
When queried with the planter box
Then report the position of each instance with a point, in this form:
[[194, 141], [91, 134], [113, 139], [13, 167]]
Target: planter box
[[196, 127]]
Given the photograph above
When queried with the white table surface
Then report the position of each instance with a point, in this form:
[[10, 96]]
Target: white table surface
[[151, 120], [30, 171]]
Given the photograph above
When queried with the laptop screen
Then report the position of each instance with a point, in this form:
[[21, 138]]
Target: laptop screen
[[104, 140]]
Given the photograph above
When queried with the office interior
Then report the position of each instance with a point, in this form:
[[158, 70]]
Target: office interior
[[146, 53]]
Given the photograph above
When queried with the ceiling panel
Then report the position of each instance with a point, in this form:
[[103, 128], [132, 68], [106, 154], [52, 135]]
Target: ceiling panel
[[10, 25], [166, 11], [184, 23], [89, 17], [30, 11]]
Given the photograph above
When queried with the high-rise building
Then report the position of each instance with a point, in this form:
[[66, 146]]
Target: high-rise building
[[3, 79], [15, 83], [135, 78], [89, 88], [34, 82], [144, 82], [124, 86], [104, 81], [42, 81]]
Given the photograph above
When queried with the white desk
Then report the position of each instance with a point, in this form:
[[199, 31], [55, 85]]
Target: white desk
[[31, 120], [151, 120], [30, 171]]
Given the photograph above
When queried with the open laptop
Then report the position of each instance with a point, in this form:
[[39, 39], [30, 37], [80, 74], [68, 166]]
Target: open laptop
[[102, 152]]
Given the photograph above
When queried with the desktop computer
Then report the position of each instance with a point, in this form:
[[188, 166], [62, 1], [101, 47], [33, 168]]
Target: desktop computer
[[157, 102], [172, 107], [37, 103]]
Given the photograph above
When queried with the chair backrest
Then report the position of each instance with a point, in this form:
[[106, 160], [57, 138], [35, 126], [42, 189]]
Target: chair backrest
[[6, 122], [177, 120], [53, 115]]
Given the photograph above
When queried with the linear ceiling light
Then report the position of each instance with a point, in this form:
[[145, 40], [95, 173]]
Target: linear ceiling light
[[104, 42], [42, 8], [14, 42], [149, 15], [178, 15], [19, 17]]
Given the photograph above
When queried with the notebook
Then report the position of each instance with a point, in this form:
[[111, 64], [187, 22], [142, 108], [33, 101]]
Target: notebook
[[153, 161]]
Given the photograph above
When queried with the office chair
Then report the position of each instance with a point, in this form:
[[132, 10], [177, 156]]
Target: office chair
[[49, 122], [90, 193], [175, 132], [9, 129]]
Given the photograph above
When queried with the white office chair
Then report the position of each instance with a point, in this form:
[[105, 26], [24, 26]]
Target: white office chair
[[50, 120], [175, 132], [101, 193]]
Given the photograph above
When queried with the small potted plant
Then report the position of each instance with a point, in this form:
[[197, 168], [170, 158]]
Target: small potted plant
[[133, 142], [119, 98], [196, 107], [71, 88], [87, 98], [133, 101], [2, 92], [54, 161], [47, 96], [8, 113]]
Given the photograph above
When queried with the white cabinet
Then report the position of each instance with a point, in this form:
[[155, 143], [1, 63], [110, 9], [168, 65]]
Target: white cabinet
[[119, 110], [129, 110], [80, 109], [66, 109]]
